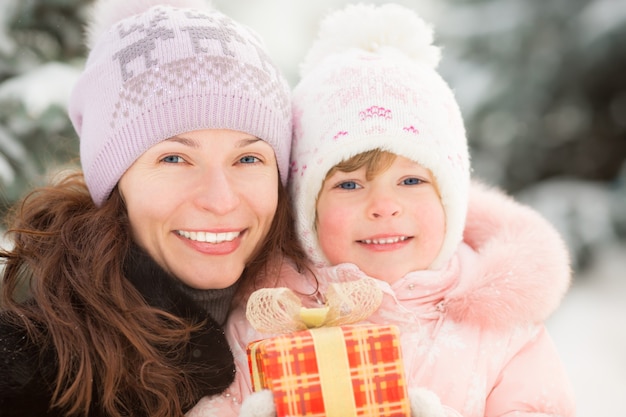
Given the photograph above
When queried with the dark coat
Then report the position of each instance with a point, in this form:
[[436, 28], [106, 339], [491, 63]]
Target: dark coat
[[28, 371]]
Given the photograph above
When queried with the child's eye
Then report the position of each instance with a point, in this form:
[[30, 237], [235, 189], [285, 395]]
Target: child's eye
[[348, 185], [411, 181], [249, 159], [173, 159]]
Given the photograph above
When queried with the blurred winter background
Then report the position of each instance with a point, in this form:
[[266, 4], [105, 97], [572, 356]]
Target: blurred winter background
[[542, 85]]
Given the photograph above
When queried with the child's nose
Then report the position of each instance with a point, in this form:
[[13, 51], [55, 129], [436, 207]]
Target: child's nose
[[383, 205], [384, 212]]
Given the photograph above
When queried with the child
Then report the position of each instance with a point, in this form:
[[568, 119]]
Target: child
[[380, 177]]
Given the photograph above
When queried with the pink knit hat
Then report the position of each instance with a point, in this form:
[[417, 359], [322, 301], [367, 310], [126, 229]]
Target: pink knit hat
[[158, 68], [369, 81]]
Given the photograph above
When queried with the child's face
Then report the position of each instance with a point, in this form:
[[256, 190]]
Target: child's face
[[388, 226]]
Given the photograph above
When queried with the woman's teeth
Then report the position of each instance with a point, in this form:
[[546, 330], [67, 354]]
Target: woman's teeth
[[208, 236]]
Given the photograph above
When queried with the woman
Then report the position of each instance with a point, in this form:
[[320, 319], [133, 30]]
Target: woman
[[131, 264]]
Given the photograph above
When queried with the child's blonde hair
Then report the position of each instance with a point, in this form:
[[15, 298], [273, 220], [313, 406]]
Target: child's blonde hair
[[374, 161]]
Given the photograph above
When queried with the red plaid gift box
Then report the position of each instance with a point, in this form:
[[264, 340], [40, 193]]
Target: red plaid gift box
[[332, 372]]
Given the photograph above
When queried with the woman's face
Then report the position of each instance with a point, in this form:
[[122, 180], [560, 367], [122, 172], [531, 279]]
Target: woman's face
[[202, 202]]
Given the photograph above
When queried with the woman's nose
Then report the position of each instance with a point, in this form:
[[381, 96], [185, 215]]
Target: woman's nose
[[216, 192]]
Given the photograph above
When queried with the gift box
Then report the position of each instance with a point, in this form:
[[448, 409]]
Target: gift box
[[337, 371]]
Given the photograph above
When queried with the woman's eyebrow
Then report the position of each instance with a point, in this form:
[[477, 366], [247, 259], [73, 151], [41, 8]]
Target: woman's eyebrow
[[247, 141], [194, 143], [184, 141]]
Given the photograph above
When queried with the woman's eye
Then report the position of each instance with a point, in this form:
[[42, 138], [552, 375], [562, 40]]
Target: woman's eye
[[249, 159], [173, 159], [411, 181], [348, 185]]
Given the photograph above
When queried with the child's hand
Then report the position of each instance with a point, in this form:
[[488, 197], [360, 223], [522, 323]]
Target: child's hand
[[258, 404]]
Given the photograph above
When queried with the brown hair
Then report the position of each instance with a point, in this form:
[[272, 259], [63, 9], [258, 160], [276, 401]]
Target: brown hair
[[70, 256]]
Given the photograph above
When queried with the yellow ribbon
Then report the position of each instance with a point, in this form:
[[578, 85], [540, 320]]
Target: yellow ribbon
[[334, 370]]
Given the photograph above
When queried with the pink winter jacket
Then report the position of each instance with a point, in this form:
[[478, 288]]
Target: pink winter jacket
[[472, 332]]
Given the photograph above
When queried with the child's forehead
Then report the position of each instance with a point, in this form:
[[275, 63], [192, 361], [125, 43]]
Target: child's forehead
[[404, 161], [372, 168], [378, 159]]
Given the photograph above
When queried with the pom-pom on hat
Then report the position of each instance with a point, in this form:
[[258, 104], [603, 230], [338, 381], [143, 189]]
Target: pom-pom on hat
[[159, 68], [369, 81]]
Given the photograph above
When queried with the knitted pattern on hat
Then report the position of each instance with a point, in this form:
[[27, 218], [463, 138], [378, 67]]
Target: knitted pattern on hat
[[159, 68], [369, 81]]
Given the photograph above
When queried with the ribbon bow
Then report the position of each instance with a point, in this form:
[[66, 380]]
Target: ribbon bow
[[279, 310]]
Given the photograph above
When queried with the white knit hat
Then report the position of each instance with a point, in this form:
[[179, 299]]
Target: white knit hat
[[369, 81]]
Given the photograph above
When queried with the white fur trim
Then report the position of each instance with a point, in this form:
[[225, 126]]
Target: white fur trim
[[425, 403], [373, 28], [258, 404], [103, 14]]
